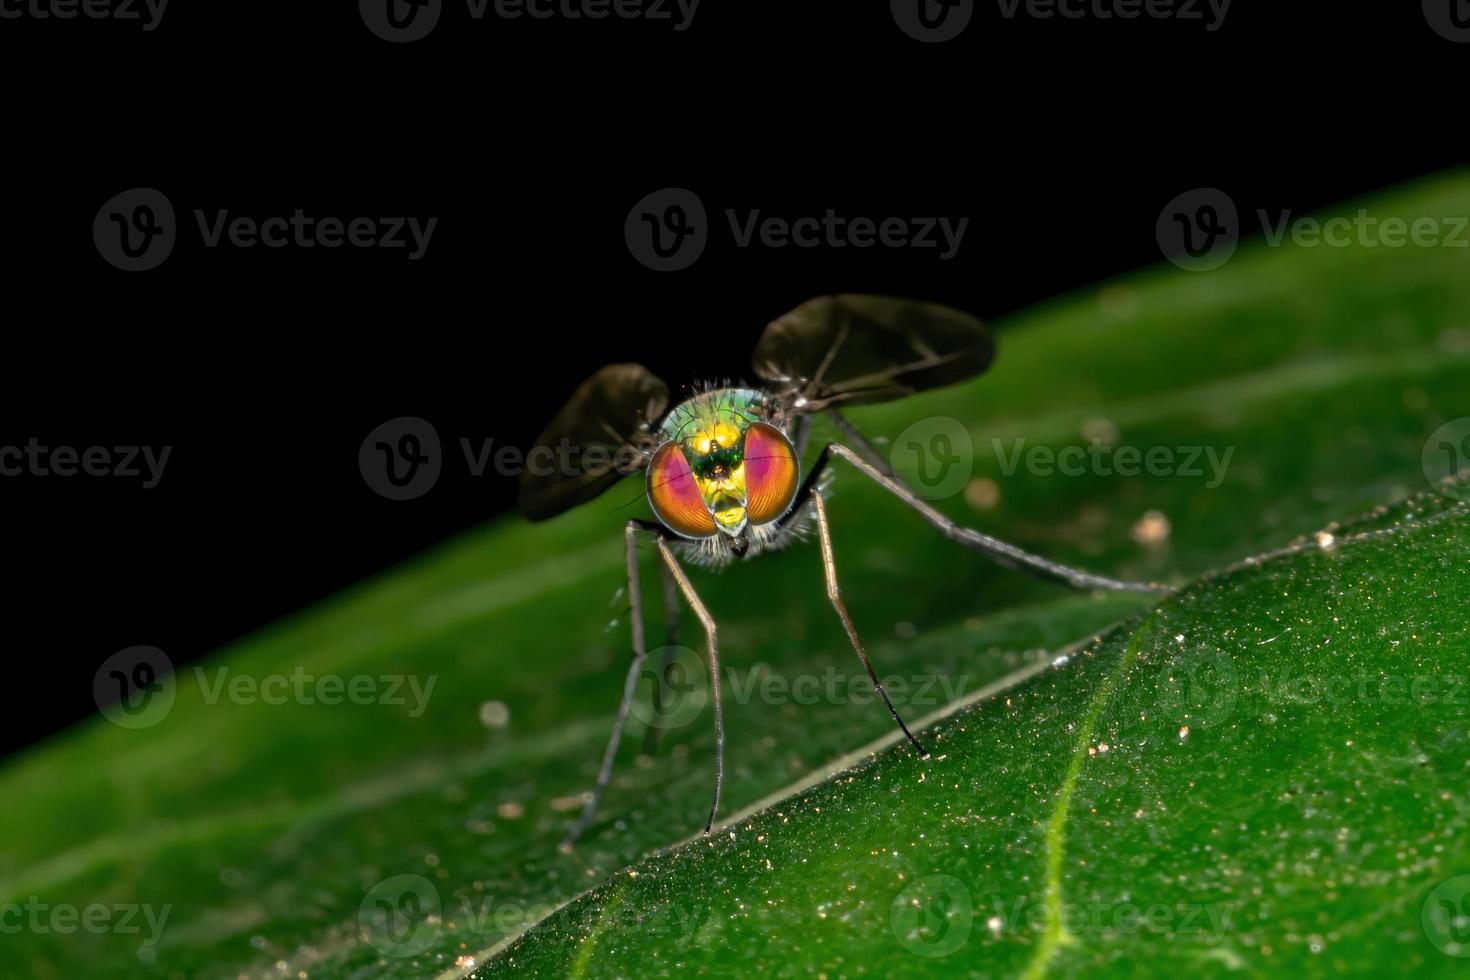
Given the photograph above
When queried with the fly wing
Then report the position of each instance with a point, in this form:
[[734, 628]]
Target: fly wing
[[852, 348], [601, 434]]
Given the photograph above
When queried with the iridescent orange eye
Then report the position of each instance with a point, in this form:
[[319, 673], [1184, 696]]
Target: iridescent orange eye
[[674, 494], [771, 471]]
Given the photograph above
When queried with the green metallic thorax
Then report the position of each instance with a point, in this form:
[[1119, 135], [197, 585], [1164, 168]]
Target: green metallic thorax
[[732, 407]]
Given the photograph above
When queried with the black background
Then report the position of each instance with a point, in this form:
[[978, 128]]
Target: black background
[[264, 369]]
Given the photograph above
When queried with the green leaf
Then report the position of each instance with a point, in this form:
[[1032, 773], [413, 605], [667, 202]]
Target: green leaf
[[1265, 772], [259, 832]]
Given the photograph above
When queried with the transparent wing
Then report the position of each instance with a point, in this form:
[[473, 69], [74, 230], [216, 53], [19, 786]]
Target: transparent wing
[[852, 348], [602, 433]]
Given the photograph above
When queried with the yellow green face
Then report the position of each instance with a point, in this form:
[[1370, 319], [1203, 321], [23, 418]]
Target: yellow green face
[[722, 467]]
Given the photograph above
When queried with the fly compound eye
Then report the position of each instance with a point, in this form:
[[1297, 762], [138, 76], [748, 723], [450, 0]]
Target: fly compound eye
[[674, 495], [771, 473]]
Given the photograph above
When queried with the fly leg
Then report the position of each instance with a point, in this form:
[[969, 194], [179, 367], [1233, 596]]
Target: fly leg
[[630, 684], [708, 622], [671, 642], [999, 551], [829, 567]]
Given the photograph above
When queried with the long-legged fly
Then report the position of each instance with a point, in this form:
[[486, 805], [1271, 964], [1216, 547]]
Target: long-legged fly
[[724, 467]]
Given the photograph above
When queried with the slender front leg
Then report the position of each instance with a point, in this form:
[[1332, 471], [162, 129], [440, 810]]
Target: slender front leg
[[995, 549], [829, 566], [803, 432], [864, 448], [705, 619], [671, 641], [630, 684]]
